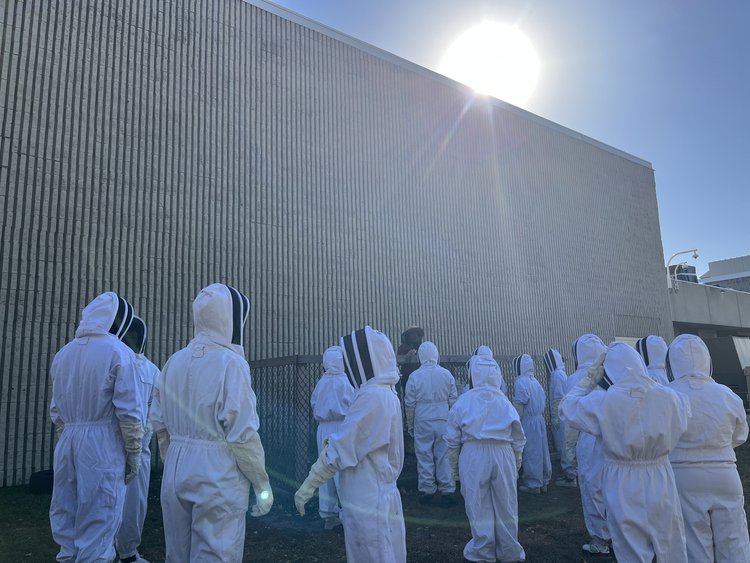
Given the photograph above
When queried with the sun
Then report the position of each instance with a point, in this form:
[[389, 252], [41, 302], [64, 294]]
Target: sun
[[494, 59]]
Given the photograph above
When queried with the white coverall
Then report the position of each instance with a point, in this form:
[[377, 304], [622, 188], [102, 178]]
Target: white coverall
[[530, 400], [367, 452], [430, 393], [96, 397], [206, 404], [136, 494], [558, 382], [486, 428], [653, 349], [330, 401], [585, 448], [704, 461], [639, 423]]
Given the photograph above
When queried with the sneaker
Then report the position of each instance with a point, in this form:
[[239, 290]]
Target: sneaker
[[596, 548], [529, 490], [133, 559], [425, 498], [570, 482], [448, 499], [331, 523]]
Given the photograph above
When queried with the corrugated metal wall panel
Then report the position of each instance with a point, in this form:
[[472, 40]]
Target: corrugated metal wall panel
[[154, 147]]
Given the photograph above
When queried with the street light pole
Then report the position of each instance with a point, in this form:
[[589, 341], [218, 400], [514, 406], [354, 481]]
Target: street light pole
[[694, 251]]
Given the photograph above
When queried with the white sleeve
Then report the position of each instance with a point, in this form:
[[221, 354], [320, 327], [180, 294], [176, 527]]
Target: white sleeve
[[579, 411], [155, 414], [361, 432], [410, 396], [237, 413], [452, 435], [452, 393], [129, 391]]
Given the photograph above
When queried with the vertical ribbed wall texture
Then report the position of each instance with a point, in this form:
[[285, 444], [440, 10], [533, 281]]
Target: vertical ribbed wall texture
[[152, 147]]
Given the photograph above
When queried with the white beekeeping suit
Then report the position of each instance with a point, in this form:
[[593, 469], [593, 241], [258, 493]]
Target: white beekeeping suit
[[367, 452], [558, 382], [204, 415], [97, 407], [485, 353], [704, 461], [485, 441], [430, 393], [585, 450], [530, 400], [639, 423], [128, 537], [653, 349], [330, 401]]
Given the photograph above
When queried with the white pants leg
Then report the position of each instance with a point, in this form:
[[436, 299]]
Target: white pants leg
[[443, 473], [589, 457], [537, 468], [643, 510], [89, 491], [328, 498], [204, 502], [136, 504], [488, 485], [424, 439], [713, 509]]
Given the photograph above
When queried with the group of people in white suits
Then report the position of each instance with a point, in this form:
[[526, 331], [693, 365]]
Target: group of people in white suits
[[655, 462]]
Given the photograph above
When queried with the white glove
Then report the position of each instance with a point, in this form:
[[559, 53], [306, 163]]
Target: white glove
[[251, 459], [410, 420], [453, 454], [593, 375], [519, 459], [132, 465], [132, 435], [59, 430], [162, 438], [320, 472]]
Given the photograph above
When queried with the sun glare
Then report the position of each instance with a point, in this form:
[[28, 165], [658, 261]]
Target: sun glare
[[494, 59]]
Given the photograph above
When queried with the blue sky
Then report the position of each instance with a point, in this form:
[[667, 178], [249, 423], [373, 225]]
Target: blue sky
[[667, 81]]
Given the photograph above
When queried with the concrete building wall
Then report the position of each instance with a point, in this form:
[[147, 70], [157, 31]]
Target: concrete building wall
[[153, 147]]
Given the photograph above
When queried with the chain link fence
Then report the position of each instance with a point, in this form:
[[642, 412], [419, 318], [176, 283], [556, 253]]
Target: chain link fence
[[287, 427]]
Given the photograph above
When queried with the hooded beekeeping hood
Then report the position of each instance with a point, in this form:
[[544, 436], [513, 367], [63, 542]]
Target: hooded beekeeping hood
[[107, 313], [586, 350], [523, 365], [219, 315], [135, 335], [428, 354], [688, 356], [333, 361], [653, 349], [483, 352], [553, 361], [485, 372], [623, 366], [369, 355]]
